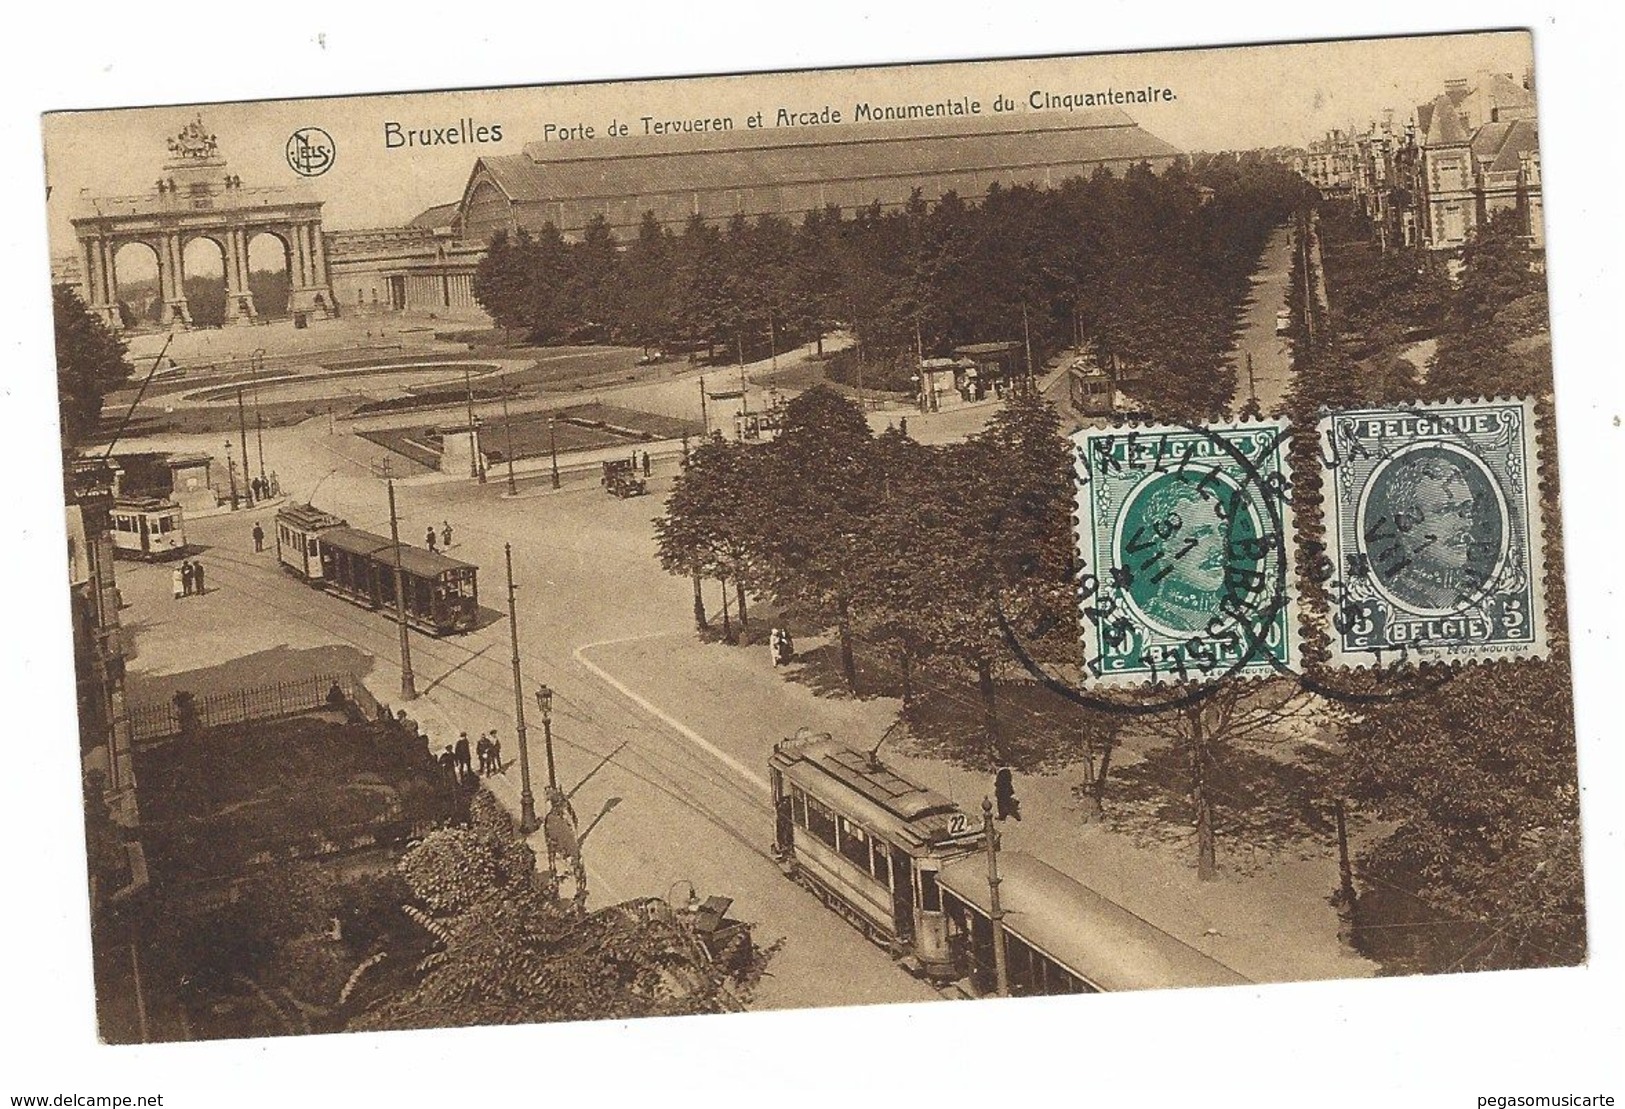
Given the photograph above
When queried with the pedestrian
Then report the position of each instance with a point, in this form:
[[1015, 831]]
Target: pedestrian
[[787, 647], [445, 533], [335, 696], [465, 763], [430, 539], [181, 580], [187, 582], [448, 762], [645, 463], [259, 539], [496, 752], [197, 577], [483, 749], [271, 485], [775, 646]]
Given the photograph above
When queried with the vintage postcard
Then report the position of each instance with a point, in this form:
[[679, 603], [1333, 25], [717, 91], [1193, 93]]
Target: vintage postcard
[[1028, 527]]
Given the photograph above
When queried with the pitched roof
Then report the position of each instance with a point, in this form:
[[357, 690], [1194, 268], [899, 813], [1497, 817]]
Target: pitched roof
[[440, 215], [1498, 146], [1444, 125]]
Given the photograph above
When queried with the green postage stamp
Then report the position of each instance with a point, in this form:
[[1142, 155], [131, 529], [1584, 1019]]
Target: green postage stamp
[[1433, 525], [1185, 538]]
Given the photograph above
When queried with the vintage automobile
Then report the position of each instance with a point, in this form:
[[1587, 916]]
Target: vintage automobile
[[621, 478]]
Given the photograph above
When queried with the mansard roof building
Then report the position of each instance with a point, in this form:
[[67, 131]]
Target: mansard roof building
[[1478, 153]]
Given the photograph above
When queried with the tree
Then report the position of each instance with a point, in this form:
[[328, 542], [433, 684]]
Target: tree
[[817, 476], [507, 950], [90, 363]]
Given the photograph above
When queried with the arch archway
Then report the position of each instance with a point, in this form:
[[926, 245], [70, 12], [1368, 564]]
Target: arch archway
[[203, 280], [270, 272], [138, 284]]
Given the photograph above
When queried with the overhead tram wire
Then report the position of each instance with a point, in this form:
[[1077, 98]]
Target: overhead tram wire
[[728, 782], [695, 765]]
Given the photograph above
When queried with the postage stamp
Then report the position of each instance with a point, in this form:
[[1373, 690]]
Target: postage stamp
[[1183, 535], [1433, 521]]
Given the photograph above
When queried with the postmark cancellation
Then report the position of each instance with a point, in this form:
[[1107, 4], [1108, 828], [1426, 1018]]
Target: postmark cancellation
[[1184, 539], [1433, 525]]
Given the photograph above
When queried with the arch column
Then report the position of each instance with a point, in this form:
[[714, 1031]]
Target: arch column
[[172, 275], [307, 270], [98, 281], [239, 297]]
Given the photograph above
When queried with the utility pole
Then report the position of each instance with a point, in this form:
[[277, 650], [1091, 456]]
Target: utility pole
[[507, 427], [242, 434], [409, 689], [699, 589], [257, 364], [1027, 342], [995, 916], [553, 447], [527, 800], [705, 420], [476, 470]]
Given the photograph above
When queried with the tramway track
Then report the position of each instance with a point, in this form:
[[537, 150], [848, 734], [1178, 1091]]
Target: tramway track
[[469, 661]]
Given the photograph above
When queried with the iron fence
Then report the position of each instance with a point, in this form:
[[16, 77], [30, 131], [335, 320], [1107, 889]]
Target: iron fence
[[160, 720]]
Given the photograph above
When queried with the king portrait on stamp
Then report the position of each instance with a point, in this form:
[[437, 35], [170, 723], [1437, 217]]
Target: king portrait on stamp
[[1183, 536], [1433, 521]]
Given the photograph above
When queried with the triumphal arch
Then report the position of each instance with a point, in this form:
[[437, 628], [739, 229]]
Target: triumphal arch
[[195, 197]]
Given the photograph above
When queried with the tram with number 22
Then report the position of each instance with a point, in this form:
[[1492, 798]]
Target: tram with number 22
[[909, 869], [442, 594]]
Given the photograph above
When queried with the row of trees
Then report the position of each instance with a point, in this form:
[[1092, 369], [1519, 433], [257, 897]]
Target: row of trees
[[1473, 770], [1147, 267], [914, 551]]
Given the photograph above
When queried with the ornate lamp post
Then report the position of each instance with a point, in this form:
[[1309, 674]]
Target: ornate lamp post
[[231, 474], [544, 701]]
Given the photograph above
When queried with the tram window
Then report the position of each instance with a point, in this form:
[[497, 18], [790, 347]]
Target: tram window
[[854, 843], [820, 821], [880, 863], [798, 805], [166, 524], [930, 892]]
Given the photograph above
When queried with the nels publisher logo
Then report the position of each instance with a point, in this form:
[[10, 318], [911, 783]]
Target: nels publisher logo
[[311, 151]]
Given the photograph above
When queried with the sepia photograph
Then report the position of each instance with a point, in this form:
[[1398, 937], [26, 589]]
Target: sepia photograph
[[1036, 528]]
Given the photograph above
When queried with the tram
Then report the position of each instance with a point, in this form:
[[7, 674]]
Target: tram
[[148, 527], [299, 529], [441, 594], [870, 844], [910, 869]]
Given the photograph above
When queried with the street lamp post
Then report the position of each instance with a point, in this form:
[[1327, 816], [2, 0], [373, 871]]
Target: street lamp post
[[527, 800], [553, 447], [231, 475], [544, 701]]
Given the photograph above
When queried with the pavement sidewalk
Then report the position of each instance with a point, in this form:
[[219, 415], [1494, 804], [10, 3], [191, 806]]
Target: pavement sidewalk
[[1273, 924]]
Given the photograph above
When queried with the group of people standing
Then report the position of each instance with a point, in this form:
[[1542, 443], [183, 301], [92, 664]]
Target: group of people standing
[[458, 758], [444, 538], [187, 579]]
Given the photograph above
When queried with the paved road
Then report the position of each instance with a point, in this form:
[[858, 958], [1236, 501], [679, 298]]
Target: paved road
[[662, 811], [1270, 353]]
